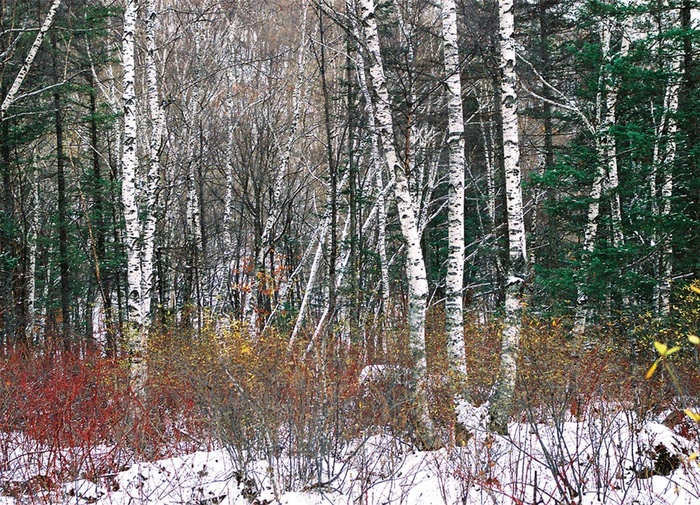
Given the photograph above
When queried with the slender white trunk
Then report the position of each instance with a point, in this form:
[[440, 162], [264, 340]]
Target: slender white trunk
[[228, 198], [666, 263], [376, 162], [29, 60], [137, 336], [607, 171], [31, 254], [608, 144], [192, 204], [501, 400], [454, 283], [341, 269], [656, 169], [381, 240], [428, 173], [249, 313], [309, 283], [415, 175], [227, 236], [487, 138], [153, 177], [415, 265], [486, 106]]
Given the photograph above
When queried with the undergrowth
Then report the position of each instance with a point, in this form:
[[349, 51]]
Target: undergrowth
[[66, 416]]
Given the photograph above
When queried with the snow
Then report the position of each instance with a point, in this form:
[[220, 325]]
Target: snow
[[611, 457]]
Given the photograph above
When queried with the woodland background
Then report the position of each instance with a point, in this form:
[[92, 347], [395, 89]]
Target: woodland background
[[235, 164]]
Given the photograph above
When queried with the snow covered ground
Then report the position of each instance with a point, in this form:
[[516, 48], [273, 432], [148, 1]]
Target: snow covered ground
[[612, 457]]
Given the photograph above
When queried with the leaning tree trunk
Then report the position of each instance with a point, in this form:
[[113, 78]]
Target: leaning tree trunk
[[11, 96], [415, 265], [501, 400], [454, 317]]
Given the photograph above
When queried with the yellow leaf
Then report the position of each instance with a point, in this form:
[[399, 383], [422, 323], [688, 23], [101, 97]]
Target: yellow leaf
[[694, 339], [696, 289], [693, 456], [652, 369], [694, 416], [672, 350], [662, 348]]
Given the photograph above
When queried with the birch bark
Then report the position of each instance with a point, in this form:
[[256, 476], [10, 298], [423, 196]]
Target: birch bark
[[454, 317], [415, 265], [29, 60], [32, 235], [157, 116], [606, 176], [376, 162], [136, 334], [666, 259], [193, 207], [501, 400], [608, 145]]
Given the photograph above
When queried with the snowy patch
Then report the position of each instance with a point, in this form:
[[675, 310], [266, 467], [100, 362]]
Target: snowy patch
[[612, 458]]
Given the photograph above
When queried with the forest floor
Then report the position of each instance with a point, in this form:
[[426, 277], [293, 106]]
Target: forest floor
[[610, 457], [231, 419]]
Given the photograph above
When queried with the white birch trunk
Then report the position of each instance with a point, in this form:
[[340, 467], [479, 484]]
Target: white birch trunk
[[381, 241], [194, 225], [31, 266], [227, 237], [153, 177], [137, 337], [501, 400], [29, 60], [606, 100], [228, 198], [414, 176], [486, 136], [193, 205], [486, 105], [454, 283], [415, 267], [666, 263], [376, 162], [341, 269], [309, 284], [608, 148]]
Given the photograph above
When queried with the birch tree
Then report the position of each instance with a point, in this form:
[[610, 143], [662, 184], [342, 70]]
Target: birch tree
[[454, 318], [11, 95], [136, 334], [415, 264], [157, 121], [140, 222], [666, 257], [378, 168], [501, 399], [606, 177], [664, 159]]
